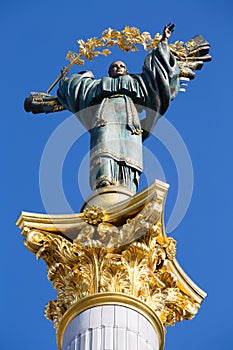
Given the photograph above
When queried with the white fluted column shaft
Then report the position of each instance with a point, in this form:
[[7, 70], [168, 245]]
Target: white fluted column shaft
[[110, 327]]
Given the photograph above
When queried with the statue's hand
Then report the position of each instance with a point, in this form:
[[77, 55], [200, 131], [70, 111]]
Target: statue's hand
[[167, 31], [64, 72]]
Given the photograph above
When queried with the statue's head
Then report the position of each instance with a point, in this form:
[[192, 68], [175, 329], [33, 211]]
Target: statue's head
[[116, 69]]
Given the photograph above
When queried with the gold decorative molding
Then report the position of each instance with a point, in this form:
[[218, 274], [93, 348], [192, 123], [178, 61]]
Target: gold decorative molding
[[124, 250], [93, 215]]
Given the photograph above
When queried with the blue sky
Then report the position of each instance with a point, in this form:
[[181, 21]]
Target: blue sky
[[35, 37]]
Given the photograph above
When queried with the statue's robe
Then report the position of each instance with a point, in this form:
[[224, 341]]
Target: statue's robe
[[109, 108]]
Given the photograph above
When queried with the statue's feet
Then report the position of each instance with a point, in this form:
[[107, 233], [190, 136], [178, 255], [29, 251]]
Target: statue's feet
[[103, 183]]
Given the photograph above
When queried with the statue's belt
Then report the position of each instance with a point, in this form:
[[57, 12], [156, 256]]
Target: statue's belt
[[116, 95]]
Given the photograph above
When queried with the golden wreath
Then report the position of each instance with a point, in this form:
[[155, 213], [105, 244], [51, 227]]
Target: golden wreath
[[190, 55], [126, 40]]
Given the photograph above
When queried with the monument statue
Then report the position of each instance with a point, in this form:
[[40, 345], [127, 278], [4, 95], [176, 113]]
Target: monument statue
[[113, 263], [108, 108]]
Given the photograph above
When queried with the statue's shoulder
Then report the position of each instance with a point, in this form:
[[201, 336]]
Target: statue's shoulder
[[138, 78], [83, 74]]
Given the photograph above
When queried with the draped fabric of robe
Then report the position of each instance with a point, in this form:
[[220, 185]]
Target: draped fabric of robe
[[109, 108]]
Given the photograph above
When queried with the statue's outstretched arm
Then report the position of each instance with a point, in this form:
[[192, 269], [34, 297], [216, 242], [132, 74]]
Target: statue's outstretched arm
[[161, 77], [39, 102]]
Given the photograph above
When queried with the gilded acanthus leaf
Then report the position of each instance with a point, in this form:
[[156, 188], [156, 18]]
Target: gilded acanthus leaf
[[54, 311], [85, 235], [169, 244], [114, 278]]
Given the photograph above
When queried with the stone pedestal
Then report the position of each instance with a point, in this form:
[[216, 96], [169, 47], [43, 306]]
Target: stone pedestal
[[107, 196]]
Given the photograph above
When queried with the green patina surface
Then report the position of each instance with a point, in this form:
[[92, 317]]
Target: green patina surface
[[109, 108]]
